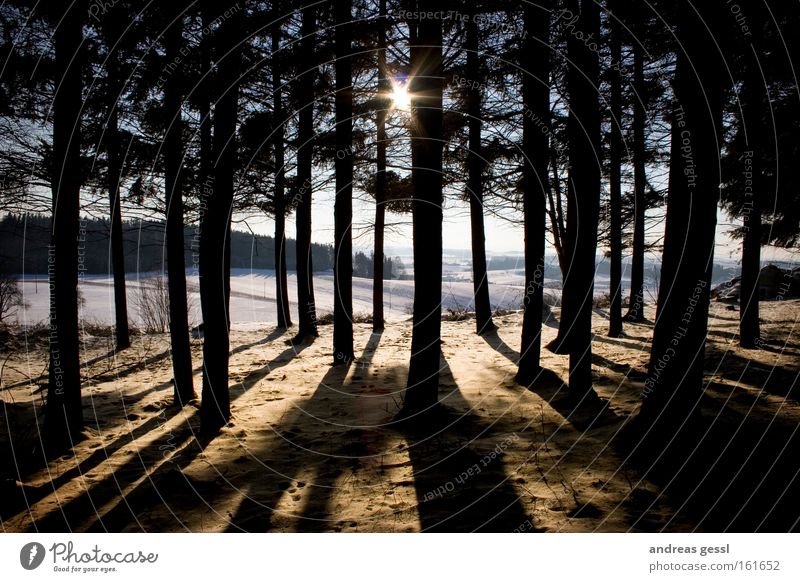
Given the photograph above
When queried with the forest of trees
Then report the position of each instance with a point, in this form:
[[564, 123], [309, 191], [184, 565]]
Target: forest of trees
[[24, 242], [595, 127]]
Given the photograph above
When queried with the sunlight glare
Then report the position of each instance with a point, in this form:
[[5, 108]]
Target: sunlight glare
[[401, 98]]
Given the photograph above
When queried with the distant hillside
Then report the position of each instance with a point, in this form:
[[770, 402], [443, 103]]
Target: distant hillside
[[24, 241]]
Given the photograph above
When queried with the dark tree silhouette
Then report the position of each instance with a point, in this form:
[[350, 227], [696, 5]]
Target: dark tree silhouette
[[173, 189], [535, 65], [343, 207], [64, 416], [306, 306], [216, 227], [583, 200], [753, 101], [675, 374], [281, 284], [615, 173], [636, 302], [384, 87], [475, 166], [426, 135], [112, 29]]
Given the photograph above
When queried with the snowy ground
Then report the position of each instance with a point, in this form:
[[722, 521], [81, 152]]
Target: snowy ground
[[312, 447], [253, 295]]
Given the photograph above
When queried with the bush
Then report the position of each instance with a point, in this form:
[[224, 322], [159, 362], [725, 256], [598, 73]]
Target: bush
[[152, 301], [11, 299], [602, 301]]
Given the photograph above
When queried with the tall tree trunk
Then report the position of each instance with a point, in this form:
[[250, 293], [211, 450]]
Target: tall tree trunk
[[114, 151], [636, 302], [753, 98], [281, 284], [204, 105], [173, 187], [674, 383], [306, 305], [343, 207], [64, 415], [535, 181], [426, 138], [215, 234], [475, 165], [584, 199], [615, 177], [557, 213], [384, 87]]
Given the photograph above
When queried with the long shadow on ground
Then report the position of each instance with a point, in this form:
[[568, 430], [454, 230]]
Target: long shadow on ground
[[738, 471]]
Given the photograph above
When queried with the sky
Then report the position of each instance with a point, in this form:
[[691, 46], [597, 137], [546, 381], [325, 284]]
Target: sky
[[502, 236]]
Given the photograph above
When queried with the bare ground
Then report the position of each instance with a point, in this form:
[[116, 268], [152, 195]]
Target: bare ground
[[317, 448]]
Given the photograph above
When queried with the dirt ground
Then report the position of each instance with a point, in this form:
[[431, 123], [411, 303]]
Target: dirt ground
[[317, 448]]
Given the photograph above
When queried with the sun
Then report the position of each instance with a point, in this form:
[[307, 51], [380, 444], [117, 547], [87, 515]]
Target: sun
[[401, 98]]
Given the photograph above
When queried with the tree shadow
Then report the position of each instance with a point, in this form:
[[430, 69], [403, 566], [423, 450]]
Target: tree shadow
[[773, 379], [459, 475], [737, 472], [271, 337], [617, 342], [625, 369], [315, 447], [584, 413], [778, 347], [144, 471], [500, 346]]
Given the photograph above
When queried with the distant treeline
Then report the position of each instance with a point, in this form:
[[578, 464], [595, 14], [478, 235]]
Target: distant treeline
[[24, 241], [551, 270], [363, 266]]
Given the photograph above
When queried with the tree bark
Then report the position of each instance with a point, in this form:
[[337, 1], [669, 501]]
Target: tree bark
[[636, 302], [674, 383], [557, 214], [343, 206], [64, 415], [475, 166], [215, 235], [183, 383], [281, 283], [615, 177], [535, 180], [584, 199], [306, 306], [426, 138], [114, 153], [753, 97], [384, 87]]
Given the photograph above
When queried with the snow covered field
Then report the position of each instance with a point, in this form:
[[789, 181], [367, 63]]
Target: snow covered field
[[253, 296]]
